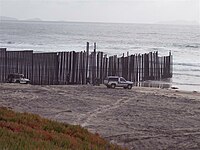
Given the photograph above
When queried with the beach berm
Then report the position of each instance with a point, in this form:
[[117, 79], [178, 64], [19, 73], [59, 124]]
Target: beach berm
[[140, 118]]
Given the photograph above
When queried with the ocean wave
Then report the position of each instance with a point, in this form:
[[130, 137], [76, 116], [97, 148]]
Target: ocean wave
[[188, 64], [192, 45], [40, 44], [10, 42], [180, 69], [148, 33], [178, 83], [187, 74]]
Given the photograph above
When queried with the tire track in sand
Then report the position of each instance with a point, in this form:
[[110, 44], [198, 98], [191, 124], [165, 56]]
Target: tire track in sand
[[93, 114]]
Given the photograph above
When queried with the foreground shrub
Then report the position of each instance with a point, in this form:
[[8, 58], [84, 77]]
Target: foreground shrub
[[28, 131]]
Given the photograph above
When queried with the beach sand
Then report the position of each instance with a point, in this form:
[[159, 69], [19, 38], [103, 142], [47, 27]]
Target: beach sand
[[140, 118]]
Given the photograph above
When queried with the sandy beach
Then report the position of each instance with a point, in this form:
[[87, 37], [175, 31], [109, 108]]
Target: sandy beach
[[140, 118]]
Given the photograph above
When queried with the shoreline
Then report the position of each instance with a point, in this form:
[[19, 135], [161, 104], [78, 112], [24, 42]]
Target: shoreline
[[168, 84], [140, 118]]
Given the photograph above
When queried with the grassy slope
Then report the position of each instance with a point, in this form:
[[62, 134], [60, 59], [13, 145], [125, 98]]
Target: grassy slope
[[28, 131]]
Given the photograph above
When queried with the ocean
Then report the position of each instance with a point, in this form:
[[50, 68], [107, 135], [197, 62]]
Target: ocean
[[182, 41]]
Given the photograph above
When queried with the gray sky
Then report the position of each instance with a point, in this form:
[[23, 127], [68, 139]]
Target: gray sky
[[123, 11]]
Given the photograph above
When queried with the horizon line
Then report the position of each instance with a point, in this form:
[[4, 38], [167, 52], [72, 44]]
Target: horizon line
[[102, 22]]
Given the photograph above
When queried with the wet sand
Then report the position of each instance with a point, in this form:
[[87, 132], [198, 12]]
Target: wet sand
[[140, 118]]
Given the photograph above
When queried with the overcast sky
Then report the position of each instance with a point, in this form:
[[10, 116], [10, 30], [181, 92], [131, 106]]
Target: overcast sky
[[123, 11]]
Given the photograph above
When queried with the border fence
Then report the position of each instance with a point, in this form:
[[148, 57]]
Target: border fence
[[82, 67]]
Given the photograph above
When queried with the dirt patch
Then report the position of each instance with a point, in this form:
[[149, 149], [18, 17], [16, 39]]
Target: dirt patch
[[141, 118]]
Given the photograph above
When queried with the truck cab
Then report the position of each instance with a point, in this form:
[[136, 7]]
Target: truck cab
[[115, 81]]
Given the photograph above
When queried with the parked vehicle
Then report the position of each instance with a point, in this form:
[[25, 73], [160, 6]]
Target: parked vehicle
[[115, 81], [17, 78]]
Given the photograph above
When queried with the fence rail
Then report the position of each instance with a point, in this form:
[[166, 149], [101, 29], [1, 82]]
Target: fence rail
[[82, 67]]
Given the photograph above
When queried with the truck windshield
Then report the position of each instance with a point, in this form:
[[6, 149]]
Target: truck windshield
[[122, 79], [21, 76]]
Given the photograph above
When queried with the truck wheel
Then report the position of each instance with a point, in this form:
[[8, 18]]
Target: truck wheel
[[129, 86], [113, 86], [17, 81]]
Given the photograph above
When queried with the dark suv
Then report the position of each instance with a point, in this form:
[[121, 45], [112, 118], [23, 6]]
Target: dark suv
[[17, 78]]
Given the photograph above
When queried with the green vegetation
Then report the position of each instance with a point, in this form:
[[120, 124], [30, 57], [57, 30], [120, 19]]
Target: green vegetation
[[29, 131]]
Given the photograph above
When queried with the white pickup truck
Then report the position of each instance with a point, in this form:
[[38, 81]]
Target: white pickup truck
[[115, 81]]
